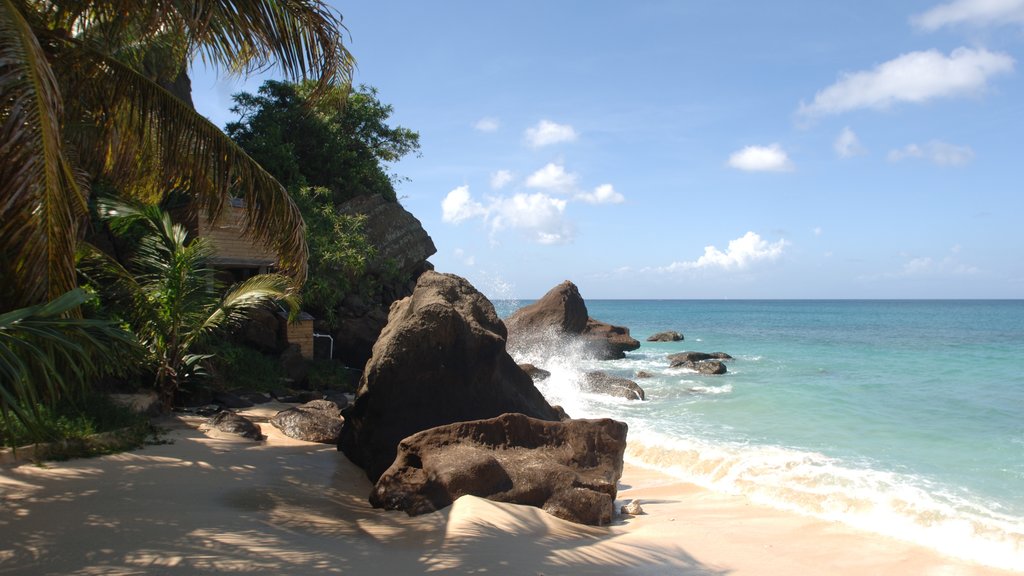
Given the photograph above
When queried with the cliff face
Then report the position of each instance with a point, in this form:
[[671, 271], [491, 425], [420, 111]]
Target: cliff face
[[403, 247]]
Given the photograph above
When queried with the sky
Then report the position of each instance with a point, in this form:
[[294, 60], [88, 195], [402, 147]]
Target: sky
[[700, 149]]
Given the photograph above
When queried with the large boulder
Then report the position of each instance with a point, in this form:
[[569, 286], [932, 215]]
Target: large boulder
[[602, 383], [233, 424], [562, 313], [316, 421], [440, 359], [401, 247], [570, 469], [669, 336]]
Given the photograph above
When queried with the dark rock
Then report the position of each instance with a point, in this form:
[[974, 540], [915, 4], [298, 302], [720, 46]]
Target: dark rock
[[535, 373], [601, 383], [570, 469], [561, 313], [145, 403], [316, 421], [670, 336], [703, 366], [353, 341], [608, 342], [297, 397], [643, 374], [252, 396], [262, 330], [231, 400], [231, 423], [562, 310], [337, 396], [295, 367], [683, 357], [440, 359]]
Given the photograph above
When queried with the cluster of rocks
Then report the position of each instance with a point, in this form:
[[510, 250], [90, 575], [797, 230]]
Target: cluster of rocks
[[561, 314], [317, 420], [443, 410], [702, 362]]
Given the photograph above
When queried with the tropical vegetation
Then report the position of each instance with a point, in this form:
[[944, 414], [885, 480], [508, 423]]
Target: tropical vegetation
[[87, 102]]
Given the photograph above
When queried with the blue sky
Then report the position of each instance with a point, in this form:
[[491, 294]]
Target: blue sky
[[698, 149]]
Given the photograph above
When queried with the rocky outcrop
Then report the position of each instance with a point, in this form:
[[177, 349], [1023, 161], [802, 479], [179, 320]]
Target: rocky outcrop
[[562, 313], [316, 421], [670, 336], [602, 383], [402, 248], [681, 358], [569, 469], [440, 359]]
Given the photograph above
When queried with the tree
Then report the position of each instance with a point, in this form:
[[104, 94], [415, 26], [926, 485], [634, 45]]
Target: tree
[[170, 298], [82, 100], [341, 142]]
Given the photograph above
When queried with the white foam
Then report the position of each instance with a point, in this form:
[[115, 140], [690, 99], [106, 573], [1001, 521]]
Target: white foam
[[900, 506], [726, 389]]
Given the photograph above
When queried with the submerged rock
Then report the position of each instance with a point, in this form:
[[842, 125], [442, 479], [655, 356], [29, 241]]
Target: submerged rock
[[601, 383], [703, 366], [537, 374], [670, 336], [570, 469], [440, 359], [609, 342], [682, 358]]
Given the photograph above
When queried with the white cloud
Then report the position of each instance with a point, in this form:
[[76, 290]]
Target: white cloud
[[937, 152], [847, 145], [928, 266], [538, 214], [914, 77], [552, 177], [467, 259], [761, 159], [500, 179], [458, 205], [817, 231], [974, 12], [603, 194], [740, 254], [547, 132], [487, 124]]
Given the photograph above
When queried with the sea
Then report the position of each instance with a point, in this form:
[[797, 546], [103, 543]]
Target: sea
[[903, 418]]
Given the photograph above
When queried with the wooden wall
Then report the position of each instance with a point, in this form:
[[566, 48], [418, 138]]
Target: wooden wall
[[234, 248]]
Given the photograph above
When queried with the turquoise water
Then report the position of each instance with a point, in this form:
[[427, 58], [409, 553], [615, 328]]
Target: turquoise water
[[901, 417]]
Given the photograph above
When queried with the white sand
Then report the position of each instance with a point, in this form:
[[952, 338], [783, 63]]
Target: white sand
[[215, 505]]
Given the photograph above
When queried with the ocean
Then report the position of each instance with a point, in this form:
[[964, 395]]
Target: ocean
[[903, 418]]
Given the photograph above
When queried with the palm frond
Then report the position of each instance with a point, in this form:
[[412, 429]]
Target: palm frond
[[42, 205], [47, 352], [256, 292]]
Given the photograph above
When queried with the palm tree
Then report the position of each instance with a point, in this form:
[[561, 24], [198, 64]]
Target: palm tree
[[169, 296], [82, 101]]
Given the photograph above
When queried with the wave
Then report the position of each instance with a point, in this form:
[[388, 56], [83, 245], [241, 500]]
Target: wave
[[900, 506]]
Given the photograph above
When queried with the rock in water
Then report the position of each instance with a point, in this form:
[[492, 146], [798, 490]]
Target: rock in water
[[681, 358], [537, 374], [601, 383], [670, 336], [562, 313], [316, 421], [570, 469], [440, 359]]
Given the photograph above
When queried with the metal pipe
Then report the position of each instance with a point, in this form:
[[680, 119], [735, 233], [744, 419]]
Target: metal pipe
[[329, 337]]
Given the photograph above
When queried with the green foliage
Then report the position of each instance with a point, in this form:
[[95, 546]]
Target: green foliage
[[237, 366], [49, 353], [74, 418], [170, 298], [340, 142], [332, 375]]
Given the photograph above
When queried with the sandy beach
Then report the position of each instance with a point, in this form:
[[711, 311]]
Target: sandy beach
[[202, 504]]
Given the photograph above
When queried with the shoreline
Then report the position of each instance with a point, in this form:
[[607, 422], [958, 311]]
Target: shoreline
[[209, 504]]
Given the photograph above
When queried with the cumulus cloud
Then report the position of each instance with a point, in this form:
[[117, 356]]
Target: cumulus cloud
[[770, 158], [538, 215], [546, 133], [462, 256], [940, 153], [603, 194], [740, 254], [552, 177], [914, 77], [487, 124], [458, 205], [500, 179], [847, 145], [974, 12]]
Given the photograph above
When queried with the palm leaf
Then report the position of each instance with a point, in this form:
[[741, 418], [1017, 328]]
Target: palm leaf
[[255, 292], [42, 205]]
